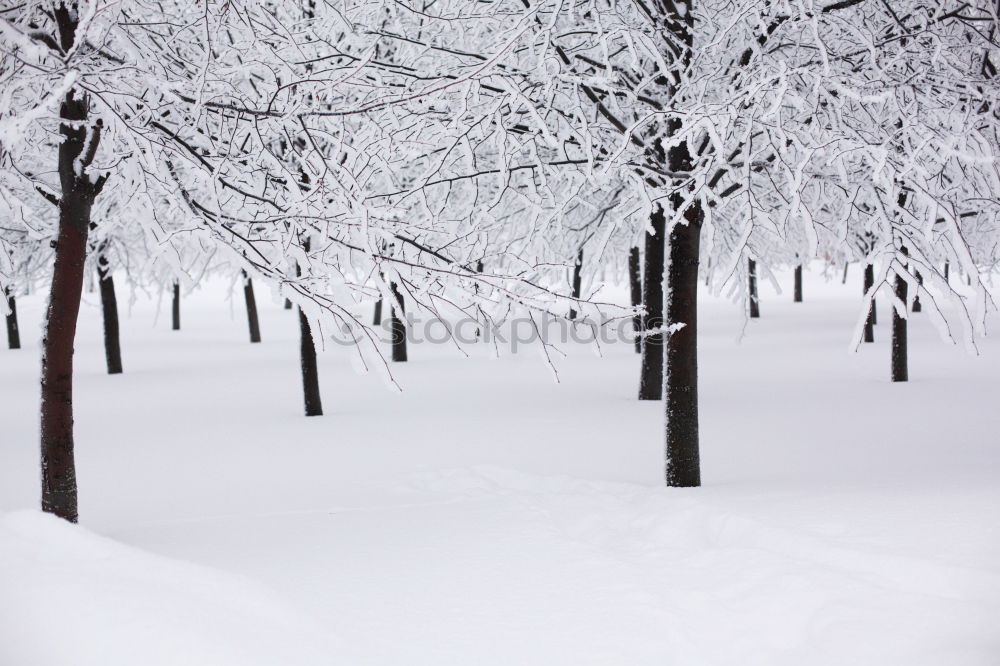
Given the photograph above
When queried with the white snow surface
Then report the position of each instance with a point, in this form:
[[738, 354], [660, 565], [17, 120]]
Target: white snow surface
[[488, 515]]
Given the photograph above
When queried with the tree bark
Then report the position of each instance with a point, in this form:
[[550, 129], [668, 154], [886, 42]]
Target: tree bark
[[377, 317], [13, 333], [310, 368], [175, 309], [947, 272], [843, 280], [252, 320], [752, 278], [396, 326], [683, 465], [109, 308], [870, 319], [651, 371], [577, 281], [75, 153], [288, 304], [900, 371], [797, 297], [635, 287]]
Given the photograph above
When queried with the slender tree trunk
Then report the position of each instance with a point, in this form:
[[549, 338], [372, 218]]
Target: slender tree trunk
[[109, 308], [635, 286], [752, 278], [797, 298], [683, 466], [870, 320], [916, 297], [396, 326], [13, 333], [651, 372], [577, 281], [377, 317], [252, 320], [947, 272], [900, 371], [843, 280], [310, 368], [288, 304], [307, 354], [175, 309]]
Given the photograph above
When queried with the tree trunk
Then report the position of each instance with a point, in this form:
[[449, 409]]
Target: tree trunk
[[109, 308], [252, 319], [683, 466], [843, 280], [947, 272], [13, 333], [175, 309], [577, 281], [651, 372], [377, 317], [310, 369], [870, 319], [396, 326], [900, 371], [916, 297], [75, 153], [797, 297], [288, 304], [752, 277], [635, 286]]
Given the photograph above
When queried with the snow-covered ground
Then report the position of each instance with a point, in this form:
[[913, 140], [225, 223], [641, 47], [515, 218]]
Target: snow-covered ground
[[488, 515]]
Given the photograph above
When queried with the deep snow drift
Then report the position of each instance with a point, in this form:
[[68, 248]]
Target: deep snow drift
[[488, 515]]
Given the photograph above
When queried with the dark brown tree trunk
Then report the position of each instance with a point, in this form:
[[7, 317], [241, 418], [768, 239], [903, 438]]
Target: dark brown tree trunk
[[947, 272], [651, 371], [900, 371], [109, 308], [252, 320], [635, 287], [870, 320], [288, 304], [175, 308], [377, 317], [752, 278], [397, 327], [577, 281], [13, 333], [76, 152], [916, 297], [797, 297]]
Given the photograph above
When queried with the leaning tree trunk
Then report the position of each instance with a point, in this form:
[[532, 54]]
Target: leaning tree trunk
[[252, 320], [651, 372], [635, 286], [900, 371], [577, 281], [752, 278], [870, 319], [843, 280], [13, 333], [396, 326], [76, 153], [109, 308], [797, 297], [175, 309]]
